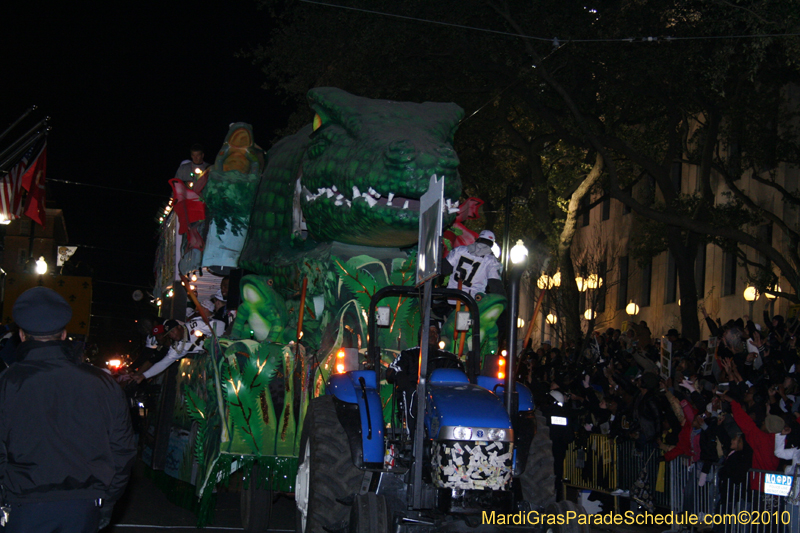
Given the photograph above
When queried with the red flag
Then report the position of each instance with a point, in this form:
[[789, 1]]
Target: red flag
[[11, 187], [33, 182], [188, 206]]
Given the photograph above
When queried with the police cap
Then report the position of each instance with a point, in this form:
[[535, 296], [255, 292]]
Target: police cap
[[41, 312]]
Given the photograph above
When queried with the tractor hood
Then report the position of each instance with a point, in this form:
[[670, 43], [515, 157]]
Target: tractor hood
[[464, 405]]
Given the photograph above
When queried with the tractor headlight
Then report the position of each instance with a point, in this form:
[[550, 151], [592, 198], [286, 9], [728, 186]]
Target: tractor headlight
[[496, 434], [462, 433]]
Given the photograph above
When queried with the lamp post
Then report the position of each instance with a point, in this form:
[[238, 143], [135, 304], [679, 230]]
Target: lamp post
[[517, 256], [751, 295], [771, 297]]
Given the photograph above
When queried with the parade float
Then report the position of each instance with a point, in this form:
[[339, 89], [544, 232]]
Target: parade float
[[310, 230]]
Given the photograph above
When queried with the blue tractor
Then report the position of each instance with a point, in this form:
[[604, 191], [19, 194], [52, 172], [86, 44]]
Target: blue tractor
[[476, 450]]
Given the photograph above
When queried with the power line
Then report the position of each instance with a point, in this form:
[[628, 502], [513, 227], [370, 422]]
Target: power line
[[165, 196], [555, 40]]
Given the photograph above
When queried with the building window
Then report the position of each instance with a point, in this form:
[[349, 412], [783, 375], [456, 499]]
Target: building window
[[676, 175], [764, 233], [671, 294], [585, 202], [700, 272], [647, 281], [622, 284], [601, 291], [728, 274]]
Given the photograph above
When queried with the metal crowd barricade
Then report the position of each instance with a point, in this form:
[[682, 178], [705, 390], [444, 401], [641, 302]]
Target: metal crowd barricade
[[643, 462], [686, 495], [767, 503], [593, 467]]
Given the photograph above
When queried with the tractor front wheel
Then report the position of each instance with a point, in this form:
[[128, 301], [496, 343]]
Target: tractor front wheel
[[325, 474]]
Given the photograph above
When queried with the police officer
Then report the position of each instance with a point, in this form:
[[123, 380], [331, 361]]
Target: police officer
[[66, 443]]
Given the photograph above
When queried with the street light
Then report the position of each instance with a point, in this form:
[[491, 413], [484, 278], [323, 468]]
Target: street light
[[544, 282], [581, 283], [632, 309], [771, 297], [551, 319], [518, 254], [589, 314], [751, 295], [594, 281], [41, 266]]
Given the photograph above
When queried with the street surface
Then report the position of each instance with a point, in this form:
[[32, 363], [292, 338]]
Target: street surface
[[145, 509]]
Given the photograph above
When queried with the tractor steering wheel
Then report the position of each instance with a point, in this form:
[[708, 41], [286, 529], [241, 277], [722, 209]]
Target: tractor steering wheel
[[446, 361]]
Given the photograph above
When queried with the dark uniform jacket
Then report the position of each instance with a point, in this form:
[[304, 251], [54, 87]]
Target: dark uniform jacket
[[65, 430]]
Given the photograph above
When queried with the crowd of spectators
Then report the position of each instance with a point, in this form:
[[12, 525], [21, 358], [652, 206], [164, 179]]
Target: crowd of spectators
[[732, 400]]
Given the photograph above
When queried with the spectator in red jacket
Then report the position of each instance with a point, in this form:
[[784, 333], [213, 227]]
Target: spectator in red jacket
[[762, 440]]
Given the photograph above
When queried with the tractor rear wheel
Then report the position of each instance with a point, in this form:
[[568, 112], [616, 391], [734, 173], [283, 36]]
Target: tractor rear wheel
[[538, 480], [370, 514], [325, 473]]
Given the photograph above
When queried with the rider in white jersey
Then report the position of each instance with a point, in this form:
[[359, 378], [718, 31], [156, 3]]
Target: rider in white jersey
[[475, 266]]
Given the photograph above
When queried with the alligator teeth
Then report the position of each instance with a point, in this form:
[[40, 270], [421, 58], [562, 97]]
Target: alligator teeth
[[356, 192], [370, 200], [389, 198], [334, 189], [405, 205], [329, 193], [374, 193]]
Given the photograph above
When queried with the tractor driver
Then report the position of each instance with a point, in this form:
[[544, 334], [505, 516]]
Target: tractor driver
[[404, 373]]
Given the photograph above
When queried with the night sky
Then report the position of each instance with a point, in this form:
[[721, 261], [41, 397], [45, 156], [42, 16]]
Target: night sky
[[129, 88]]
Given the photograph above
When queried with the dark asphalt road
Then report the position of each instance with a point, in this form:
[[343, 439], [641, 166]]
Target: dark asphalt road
[[145, 509]]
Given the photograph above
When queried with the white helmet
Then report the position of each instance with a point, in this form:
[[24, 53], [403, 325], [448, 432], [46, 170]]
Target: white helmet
[[488, 235], [558, 396]]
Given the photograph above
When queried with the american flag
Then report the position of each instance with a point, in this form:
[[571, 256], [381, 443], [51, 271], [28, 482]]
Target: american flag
[[11, 193]]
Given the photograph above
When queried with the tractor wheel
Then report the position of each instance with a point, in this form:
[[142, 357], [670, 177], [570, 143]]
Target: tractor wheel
[[561, 509], [325, 472], [255, 505], [539, 479], [370, 514]]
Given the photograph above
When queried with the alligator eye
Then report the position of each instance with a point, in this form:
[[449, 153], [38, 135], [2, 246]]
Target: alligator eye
[[317, 124]]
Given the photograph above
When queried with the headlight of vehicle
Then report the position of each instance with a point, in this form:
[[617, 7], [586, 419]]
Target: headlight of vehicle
[[497, 434], [462, 433]]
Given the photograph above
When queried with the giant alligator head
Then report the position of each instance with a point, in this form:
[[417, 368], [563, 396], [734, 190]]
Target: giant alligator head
[[368, 163]]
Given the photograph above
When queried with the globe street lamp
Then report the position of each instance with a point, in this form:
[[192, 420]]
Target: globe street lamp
[[41, 266], [632, 309], [751, 295], [771, 297], [518, 254]]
